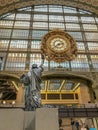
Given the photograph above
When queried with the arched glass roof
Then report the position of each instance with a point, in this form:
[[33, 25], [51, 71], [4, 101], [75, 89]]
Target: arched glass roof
[[21, 33]]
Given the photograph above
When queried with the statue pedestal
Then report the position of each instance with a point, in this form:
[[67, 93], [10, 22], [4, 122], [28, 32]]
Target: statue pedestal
[[11, 119], [18, 119], [46, 119]]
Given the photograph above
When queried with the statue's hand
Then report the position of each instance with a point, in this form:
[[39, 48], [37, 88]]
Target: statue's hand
[[42, 56]]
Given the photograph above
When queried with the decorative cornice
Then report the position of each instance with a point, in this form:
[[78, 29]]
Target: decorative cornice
[[10, 5]]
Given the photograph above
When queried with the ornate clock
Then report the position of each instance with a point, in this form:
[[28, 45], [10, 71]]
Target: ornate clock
[[58, 46]]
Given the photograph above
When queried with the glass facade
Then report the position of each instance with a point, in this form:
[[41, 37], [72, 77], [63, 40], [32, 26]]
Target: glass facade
[[21, 33]]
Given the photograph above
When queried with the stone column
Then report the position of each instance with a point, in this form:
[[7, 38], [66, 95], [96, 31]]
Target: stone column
[[20, 96], [84, 95], [96, 94]]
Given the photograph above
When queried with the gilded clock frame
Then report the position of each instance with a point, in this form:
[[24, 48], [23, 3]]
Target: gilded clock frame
[[69, 52]]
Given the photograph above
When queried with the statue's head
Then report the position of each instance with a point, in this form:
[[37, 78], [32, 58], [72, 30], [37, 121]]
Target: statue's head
[[34, 66]]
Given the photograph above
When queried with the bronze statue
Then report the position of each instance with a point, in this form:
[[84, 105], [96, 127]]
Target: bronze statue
[[32, 81]]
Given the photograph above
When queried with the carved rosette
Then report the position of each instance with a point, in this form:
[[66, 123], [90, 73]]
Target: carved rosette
[[56, 51]]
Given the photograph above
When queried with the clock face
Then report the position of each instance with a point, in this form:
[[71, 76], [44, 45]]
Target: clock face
[[58, 44]]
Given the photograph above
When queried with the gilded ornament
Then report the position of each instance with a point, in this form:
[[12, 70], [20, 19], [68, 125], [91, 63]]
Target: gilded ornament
[[58, 46]]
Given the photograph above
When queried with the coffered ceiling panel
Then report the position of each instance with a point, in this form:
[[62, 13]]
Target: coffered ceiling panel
[[10, 5]]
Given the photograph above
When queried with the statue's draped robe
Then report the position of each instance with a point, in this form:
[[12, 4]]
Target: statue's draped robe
[[32, 82], [35, 78]]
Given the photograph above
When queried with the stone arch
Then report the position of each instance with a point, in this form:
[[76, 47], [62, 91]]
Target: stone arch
[[10, 5], [11, 78]]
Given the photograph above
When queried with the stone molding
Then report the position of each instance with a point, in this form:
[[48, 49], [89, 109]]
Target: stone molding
[[10, 5]]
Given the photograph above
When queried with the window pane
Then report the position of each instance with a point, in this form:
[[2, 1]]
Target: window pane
[[76, 35], [87, 19], [91, 36], [6, 23], [54, 8], [95, 61], [35, 59], [56, 18], [40, 25], [23, 16], [40, 17], [80, 63], [90, 27], [38, 34], [21, 24], [25, 9], [10, 16], [41, 8], [69, 10], [16, 61], [72, 26], [18, 45], [54, 64], [54, 84], [71, 19], [35, 44], [80, 46], [56, 25], [68, 85], [93, 47], [20, 34], [5, 33], [84, 12], [4, 44]]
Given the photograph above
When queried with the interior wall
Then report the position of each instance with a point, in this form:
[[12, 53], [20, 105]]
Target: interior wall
[[84, 95]]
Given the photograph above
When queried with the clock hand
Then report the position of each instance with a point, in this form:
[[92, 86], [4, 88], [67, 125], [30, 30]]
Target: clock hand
[[56, 45]]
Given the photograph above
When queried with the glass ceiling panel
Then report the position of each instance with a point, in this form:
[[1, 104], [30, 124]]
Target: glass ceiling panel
[[10, 16], [4, 44], [56, 18], [41, 8], [90, 27], [40, 25], [88, 19], [25, 9], [92, 46], [56, 25], [54, 84], [71, 26], [80, 46], [68, 85], [30, 24], [18, 45], [21, 24], [91, 36], [40, 17], [5, 23], [5, 33], [23, 16], [23, 34], [55, 8], [71, 19], [84, 12], [69, 10]]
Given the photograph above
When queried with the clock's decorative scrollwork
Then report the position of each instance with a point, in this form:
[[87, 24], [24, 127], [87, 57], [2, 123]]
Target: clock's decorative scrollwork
[[58, 46]]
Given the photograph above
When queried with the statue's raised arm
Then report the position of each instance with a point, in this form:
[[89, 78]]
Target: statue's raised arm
[[42, 60]]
